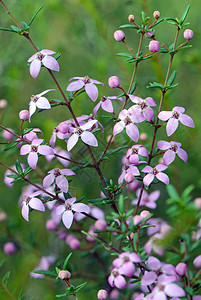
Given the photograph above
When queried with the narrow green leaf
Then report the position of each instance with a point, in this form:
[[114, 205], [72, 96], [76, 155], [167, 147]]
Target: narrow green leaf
[[18, 167], [121, 204], [125, 54], [143, 16], [133, 87], [187, 191], [6, 277], [81, 286], [34, 15], [171, 78], [12, 176], [24, 26], [128, 26], [7, 29], [16, 29], [159, 21], [46, 273], [185, 13], [172, 192], [66, 261]]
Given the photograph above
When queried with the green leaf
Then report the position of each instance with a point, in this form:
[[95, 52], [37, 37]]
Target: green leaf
[[2, 262], [81, 286], [34, 15], [16, 29], [121, 204], [172, 192], [171, 78], [184, 47], [7, 29], [12, 176], [159, 21], [155, 85], [46, 273], [133, 87], [125, 55], [24, 26], [66, 261], [11, 146], [27, 130], [57, 55], [6, 277], [115, 150], [143, 16], [18, 167], [187, 191], [185, 13], [128, 26]]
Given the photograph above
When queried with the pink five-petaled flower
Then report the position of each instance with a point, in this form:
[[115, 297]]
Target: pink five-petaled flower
[[127, 120], [173, 117], [86, 136], [106, 104], [86, 82], [172, 148], [33, 202], [33, 150], [152, 172], [58, 176], [42, 57], [126, 261], [143, 107], [133, 154], [116, 278], [67, 210], [39, 101], [147, 200]]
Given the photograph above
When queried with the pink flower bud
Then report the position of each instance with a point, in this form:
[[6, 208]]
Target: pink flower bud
[[143, 136], [114, 82], [197, 202], [181, 269], [188, 34], [24, 115], [3, 103], [100, 225], [63, 127], [197, 262], [154, 46], [133, 186], [150, 34], [114, 294], [7, 135], [63, 274], [119, 35], [144, 214], [137, 219], [129, 177], [131, 18], [102, 294], [130, 236], [9, 248], [51, 225], [3, 216], [89, 238], [72, 242], [156, 14]]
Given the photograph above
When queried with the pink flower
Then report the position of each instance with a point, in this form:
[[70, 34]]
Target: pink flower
[[126, 261], [154, 46], [33, 150], [9, 248], [173, 117], [114, 82], [44, 264], [133, 154], [102, 295], [106, 104], [33, 202], [86, 136], [39, 101], [172, 148], [86, 82], [188, 34], [116, 279], [147, 200], [58, 176], [127, 120], [143, 107], [152, 172], [128, 169], [42, 57], [119, 35], [66, 210]]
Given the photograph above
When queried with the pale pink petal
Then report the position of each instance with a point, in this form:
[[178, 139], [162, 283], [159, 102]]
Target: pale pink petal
[[111, 281], [148, 179], [48, 180], [96, 108], [67, 172], [32, 108], [75, 86], [186, 120], [154, 263], [91, 91], [154, 196], [148, 113], [89, 139], [160, 296], [123, 114], [174, 290], [45, 92], [147, 169], [150, 101], [45, 150], [35, 203], [32, 159], [127, 269], [172, 125], [72, 141], [120, 282], [51, 63], [133, 132], [60, 209], [143, 151], [182, 154], [74, 78], [37, 141], [169, 157], [161, 167], [47, 51], [25, 149], [67, 218], [96, 81], [81, 207], [135, 99], [62, 183], [164, 115], [32, 57], [25, 212], [163, 145], [35, 67], [179, 109], [88, 125], [118, 127], [107, 106], [163, 177], [148, 278], [43, 103]]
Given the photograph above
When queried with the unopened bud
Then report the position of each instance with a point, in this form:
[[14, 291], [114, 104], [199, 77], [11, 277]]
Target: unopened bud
[[24, 115], [102, 294], [150, 34], [129, 177], [3, 103], [144, 214], [63, 274], [154, 46], [72, 242], [197, 202], [143, 136], [100, 225], [63, 127], [156, 14], [181, 269], [131, 18], [7, 135], [137, 219], [9, 248], [114, 82], [119, 35], [51, 225], [197, 262], [188, 34], [3, 216]]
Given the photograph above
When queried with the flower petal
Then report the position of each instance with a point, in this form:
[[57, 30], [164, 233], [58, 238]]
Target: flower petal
[[32, 108], [163, 145], [173, 290], [72, 141], [133, 132], [48, 180], [47, 51], [120, 282], [35, 203], [169, 157], [62, 183], [171, 126], [182, 154], [164, 115], [80, 207], [43, 103], [118, 127], [148, 113], [25, 149], [91, 91], [89, 139], [148, 179], [50, 63], [32, 159], [35, 67], [186, 120], [25, 212], [67, 218], [163, 177], [45, 150], [75, 86], [107, 106]]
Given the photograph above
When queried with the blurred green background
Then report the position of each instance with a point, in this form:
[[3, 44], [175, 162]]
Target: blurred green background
[[82, 30]]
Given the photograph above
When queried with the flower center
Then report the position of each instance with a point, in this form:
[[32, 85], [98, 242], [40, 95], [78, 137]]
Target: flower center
[[79, 131], [103, 98], [34, 98], [40, 56], [160, 287], [86, 79], [135, 151], [175, 115], [125, 167], [126, 259], [143, 105], [68, 206], [174, 148], [57, 173], [55, 129], [127, 121], [115, 274], [27, 199], [34, 148], [154, 171]]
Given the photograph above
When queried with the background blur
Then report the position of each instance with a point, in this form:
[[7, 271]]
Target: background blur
[[82, 30]]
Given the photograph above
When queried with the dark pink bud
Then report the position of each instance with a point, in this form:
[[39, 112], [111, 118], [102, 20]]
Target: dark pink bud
[[181, 269], [24, 115], [102, 294], [114, 82], [100, 225], [150, 34], [63, 274], [3, 103], [144, 214], [63, 127], [119, 35], [129, 177], [9, 248], [154, 46], [89, 238], [197, 262], [131, 18], [72, 242], [156, 14], [188, 34], [3, 216], [51, 225], [7, 135]]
